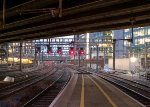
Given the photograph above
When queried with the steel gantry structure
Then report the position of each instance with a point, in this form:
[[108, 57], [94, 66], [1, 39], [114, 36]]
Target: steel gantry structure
[[78, 16]]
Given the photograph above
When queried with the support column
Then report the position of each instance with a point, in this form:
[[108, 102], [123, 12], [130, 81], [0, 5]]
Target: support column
[[146, 61], [7, 49], [21, 56], [87, 45], [97, 50], [42, 56], [13, 54], [145, 56], [0, 56], [35, 55], [79, 58], [104, 56], [90, 56], [114, 49], [78, 51], [75, 50]]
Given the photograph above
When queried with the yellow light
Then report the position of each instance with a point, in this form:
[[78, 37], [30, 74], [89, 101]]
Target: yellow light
[[133, 59], [104, 45], [10, 50], [17, 60]]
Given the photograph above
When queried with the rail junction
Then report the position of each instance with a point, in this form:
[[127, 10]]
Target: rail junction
[[39, 67]]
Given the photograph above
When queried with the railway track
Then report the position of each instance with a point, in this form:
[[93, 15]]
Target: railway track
[[21, 77], [135, 90], [44, 98], [12, 89]]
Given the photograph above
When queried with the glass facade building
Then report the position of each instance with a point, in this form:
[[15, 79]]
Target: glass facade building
[[141, 39], [29, 49], [139, 47]]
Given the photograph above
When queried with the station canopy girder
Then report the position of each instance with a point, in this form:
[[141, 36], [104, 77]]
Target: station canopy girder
[[78, 16]]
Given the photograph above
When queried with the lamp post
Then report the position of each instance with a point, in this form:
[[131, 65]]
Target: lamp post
[[13, 53], [97, 50], [104, 56], [90, 56], [42, 57], [21, 56], [146, 60], [114, 55], [78, 50], [75, 51]]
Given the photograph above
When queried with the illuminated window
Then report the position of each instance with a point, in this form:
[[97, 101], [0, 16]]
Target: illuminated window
[[135, 33], [145, 31], [41, 40], [45, 40], [127, 30], [147, 39], [136, 42], [149, 31], [141, 32], [60, 40], [37, 40]]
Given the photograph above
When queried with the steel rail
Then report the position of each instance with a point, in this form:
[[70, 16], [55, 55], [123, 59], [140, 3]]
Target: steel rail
[[29, 79], [12, 91], [49, 90]]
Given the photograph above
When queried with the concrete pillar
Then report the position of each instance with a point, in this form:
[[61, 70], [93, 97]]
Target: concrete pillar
[[114, 43]]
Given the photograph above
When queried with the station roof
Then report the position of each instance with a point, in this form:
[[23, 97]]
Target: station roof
[[31, 19]]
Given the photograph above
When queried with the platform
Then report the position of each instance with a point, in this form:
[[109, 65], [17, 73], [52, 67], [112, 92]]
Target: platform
[[87, 90]]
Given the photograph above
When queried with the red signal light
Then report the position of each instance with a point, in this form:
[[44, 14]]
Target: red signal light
[[71, 51], [59, 50], [81, 51], [49, 49]]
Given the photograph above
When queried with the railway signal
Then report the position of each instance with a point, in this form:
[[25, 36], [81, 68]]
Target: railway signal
[[59, 50], [49, 49], [71, 51], [81, 51], [38, 49]]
